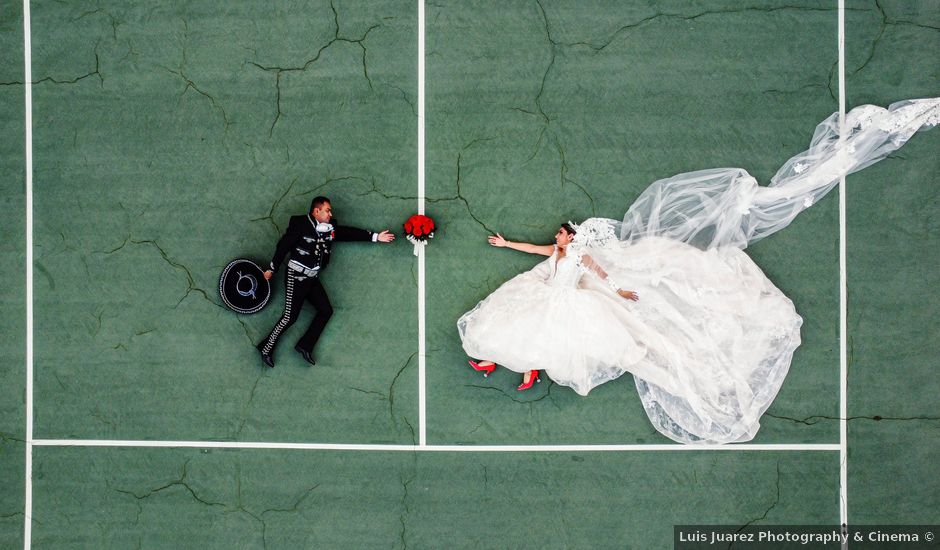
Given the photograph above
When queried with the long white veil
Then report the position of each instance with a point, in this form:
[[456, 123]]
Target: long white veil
[[715, 211], [726, 206]]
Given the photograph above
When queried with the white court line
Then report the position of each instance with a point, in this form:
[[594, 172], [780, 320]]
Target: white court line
[[28, 123], [843, 298], [429, 448], [422, 360]]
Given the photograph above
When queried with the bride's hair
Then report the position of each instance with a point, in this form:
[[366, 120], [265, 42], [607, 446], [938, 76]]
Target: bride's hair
[[567, 227]]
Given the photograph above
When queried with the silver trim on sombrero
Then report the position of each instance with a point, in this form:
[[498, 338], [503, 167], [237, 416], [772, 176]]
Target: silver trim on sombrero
[[252, 292]]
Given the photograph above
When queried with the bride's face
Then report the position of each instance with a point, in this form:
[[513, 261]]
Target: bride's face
[[563, 238]]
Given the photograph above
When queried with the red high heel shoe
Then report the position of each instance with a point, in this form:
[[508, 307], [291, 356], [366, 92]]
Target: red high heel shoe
[[533, 378], [485, 370]]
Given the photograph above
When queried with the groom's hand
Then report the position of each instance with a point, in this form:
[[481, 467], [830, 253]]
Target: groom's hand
[[386, 236]]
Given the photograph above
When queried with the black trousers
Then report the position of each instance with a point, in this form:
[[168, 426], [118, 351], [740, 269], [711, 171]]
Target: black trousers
[[299, 288]]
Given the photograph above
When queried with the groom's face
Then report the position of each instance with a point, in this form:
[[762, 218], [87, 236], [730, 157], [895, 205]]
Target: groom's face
[[323, 213]]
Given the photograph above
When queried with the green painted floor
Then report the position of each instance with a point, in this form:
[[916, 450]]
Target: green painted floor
[[170, 138], [130, 498]]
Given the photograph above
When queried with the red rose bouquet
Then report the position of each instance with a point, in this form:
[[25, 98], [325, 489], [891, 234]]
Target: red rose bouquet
[[418, 229]]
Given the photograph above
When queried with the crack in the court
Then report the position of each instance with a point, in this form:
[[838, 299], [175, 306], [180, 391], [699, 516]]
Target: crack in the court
[[75, 80], [406, 509], [246, 410], [391, 387], [432, 200], [270, 216], [795, 90], [191, 282], [240, 505], [597, 47], [815, 419], [292, 509], [114, 21], [180, 72], [404, 96], [99, 314], [336, 38], [874, 44], [566, 179], [181, 482], [331, 179], [245, 328], [259, 517], [460, 192], [829, 81], [547, 120], [4, 437], [767, 511], [50, 280], [552, 385], [510, 396], [646, 20], [376, 191], [885, 23], [414, 438], [59, 381], [381, 395], [552, 47], [100, 417]]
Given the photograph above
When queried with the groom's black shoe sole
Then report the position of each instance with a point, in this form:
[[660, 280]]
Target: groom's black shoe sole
[[308, 357], [267, 360]]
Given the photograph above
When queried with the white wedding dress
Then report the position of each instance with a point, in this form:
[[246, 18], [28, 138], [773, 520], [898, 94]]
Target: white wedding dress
[[710, 340]]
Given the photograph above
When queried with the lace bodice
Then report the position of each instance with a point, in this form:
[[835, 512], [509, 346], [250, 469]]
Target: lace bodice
[[564, 271], [567, 270]]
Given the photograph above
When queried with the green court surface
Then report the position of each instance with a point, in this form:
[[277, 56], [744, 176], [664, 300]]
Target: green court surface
[[170, 138]]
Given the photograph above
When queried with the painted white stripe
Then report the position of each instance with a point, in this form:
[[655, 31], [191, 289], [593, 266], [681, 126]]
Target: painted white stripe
[[429, 448], [28, 153], [843, 298], [422, 349]]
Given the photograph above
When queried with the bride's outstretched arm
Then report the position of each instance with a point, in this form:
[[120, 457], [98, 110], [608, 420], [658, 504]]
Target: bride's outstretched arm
[[542, 249], [587, 263]]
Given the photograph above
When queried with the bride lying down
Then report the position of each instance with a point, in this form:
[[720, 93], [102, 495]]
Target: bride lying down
[[670, 296]]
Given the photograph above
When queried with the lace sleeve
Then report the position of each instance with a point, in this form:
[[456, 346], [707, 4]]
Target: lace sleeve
[[586, 263]]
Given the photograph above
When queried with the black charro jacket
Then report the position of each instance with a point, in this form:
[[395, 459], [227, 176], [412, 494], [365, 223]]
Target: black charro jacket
[[311, 248]]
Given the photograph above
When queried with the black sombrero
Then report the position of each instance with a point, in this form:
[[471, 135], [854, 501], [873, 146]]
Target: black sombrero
[[243, 287]]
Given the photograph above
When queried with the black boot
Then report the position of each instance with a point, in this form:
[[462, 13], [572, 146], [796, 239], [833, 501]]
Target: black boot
[[266, 358], [308, 357]]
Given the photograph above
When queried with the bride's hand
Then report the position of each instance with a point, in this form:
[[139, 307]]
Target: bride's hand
[[629, 295], [498, 240]]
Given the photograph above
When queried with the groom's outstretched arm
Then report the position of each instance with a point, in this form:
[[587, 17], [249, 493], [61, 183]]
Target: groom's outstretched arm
[[347, 233]]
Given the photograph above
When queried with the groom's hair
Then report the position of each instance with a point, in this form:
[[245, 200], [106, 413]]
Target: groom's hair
[[567, 227], [317, 202]]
